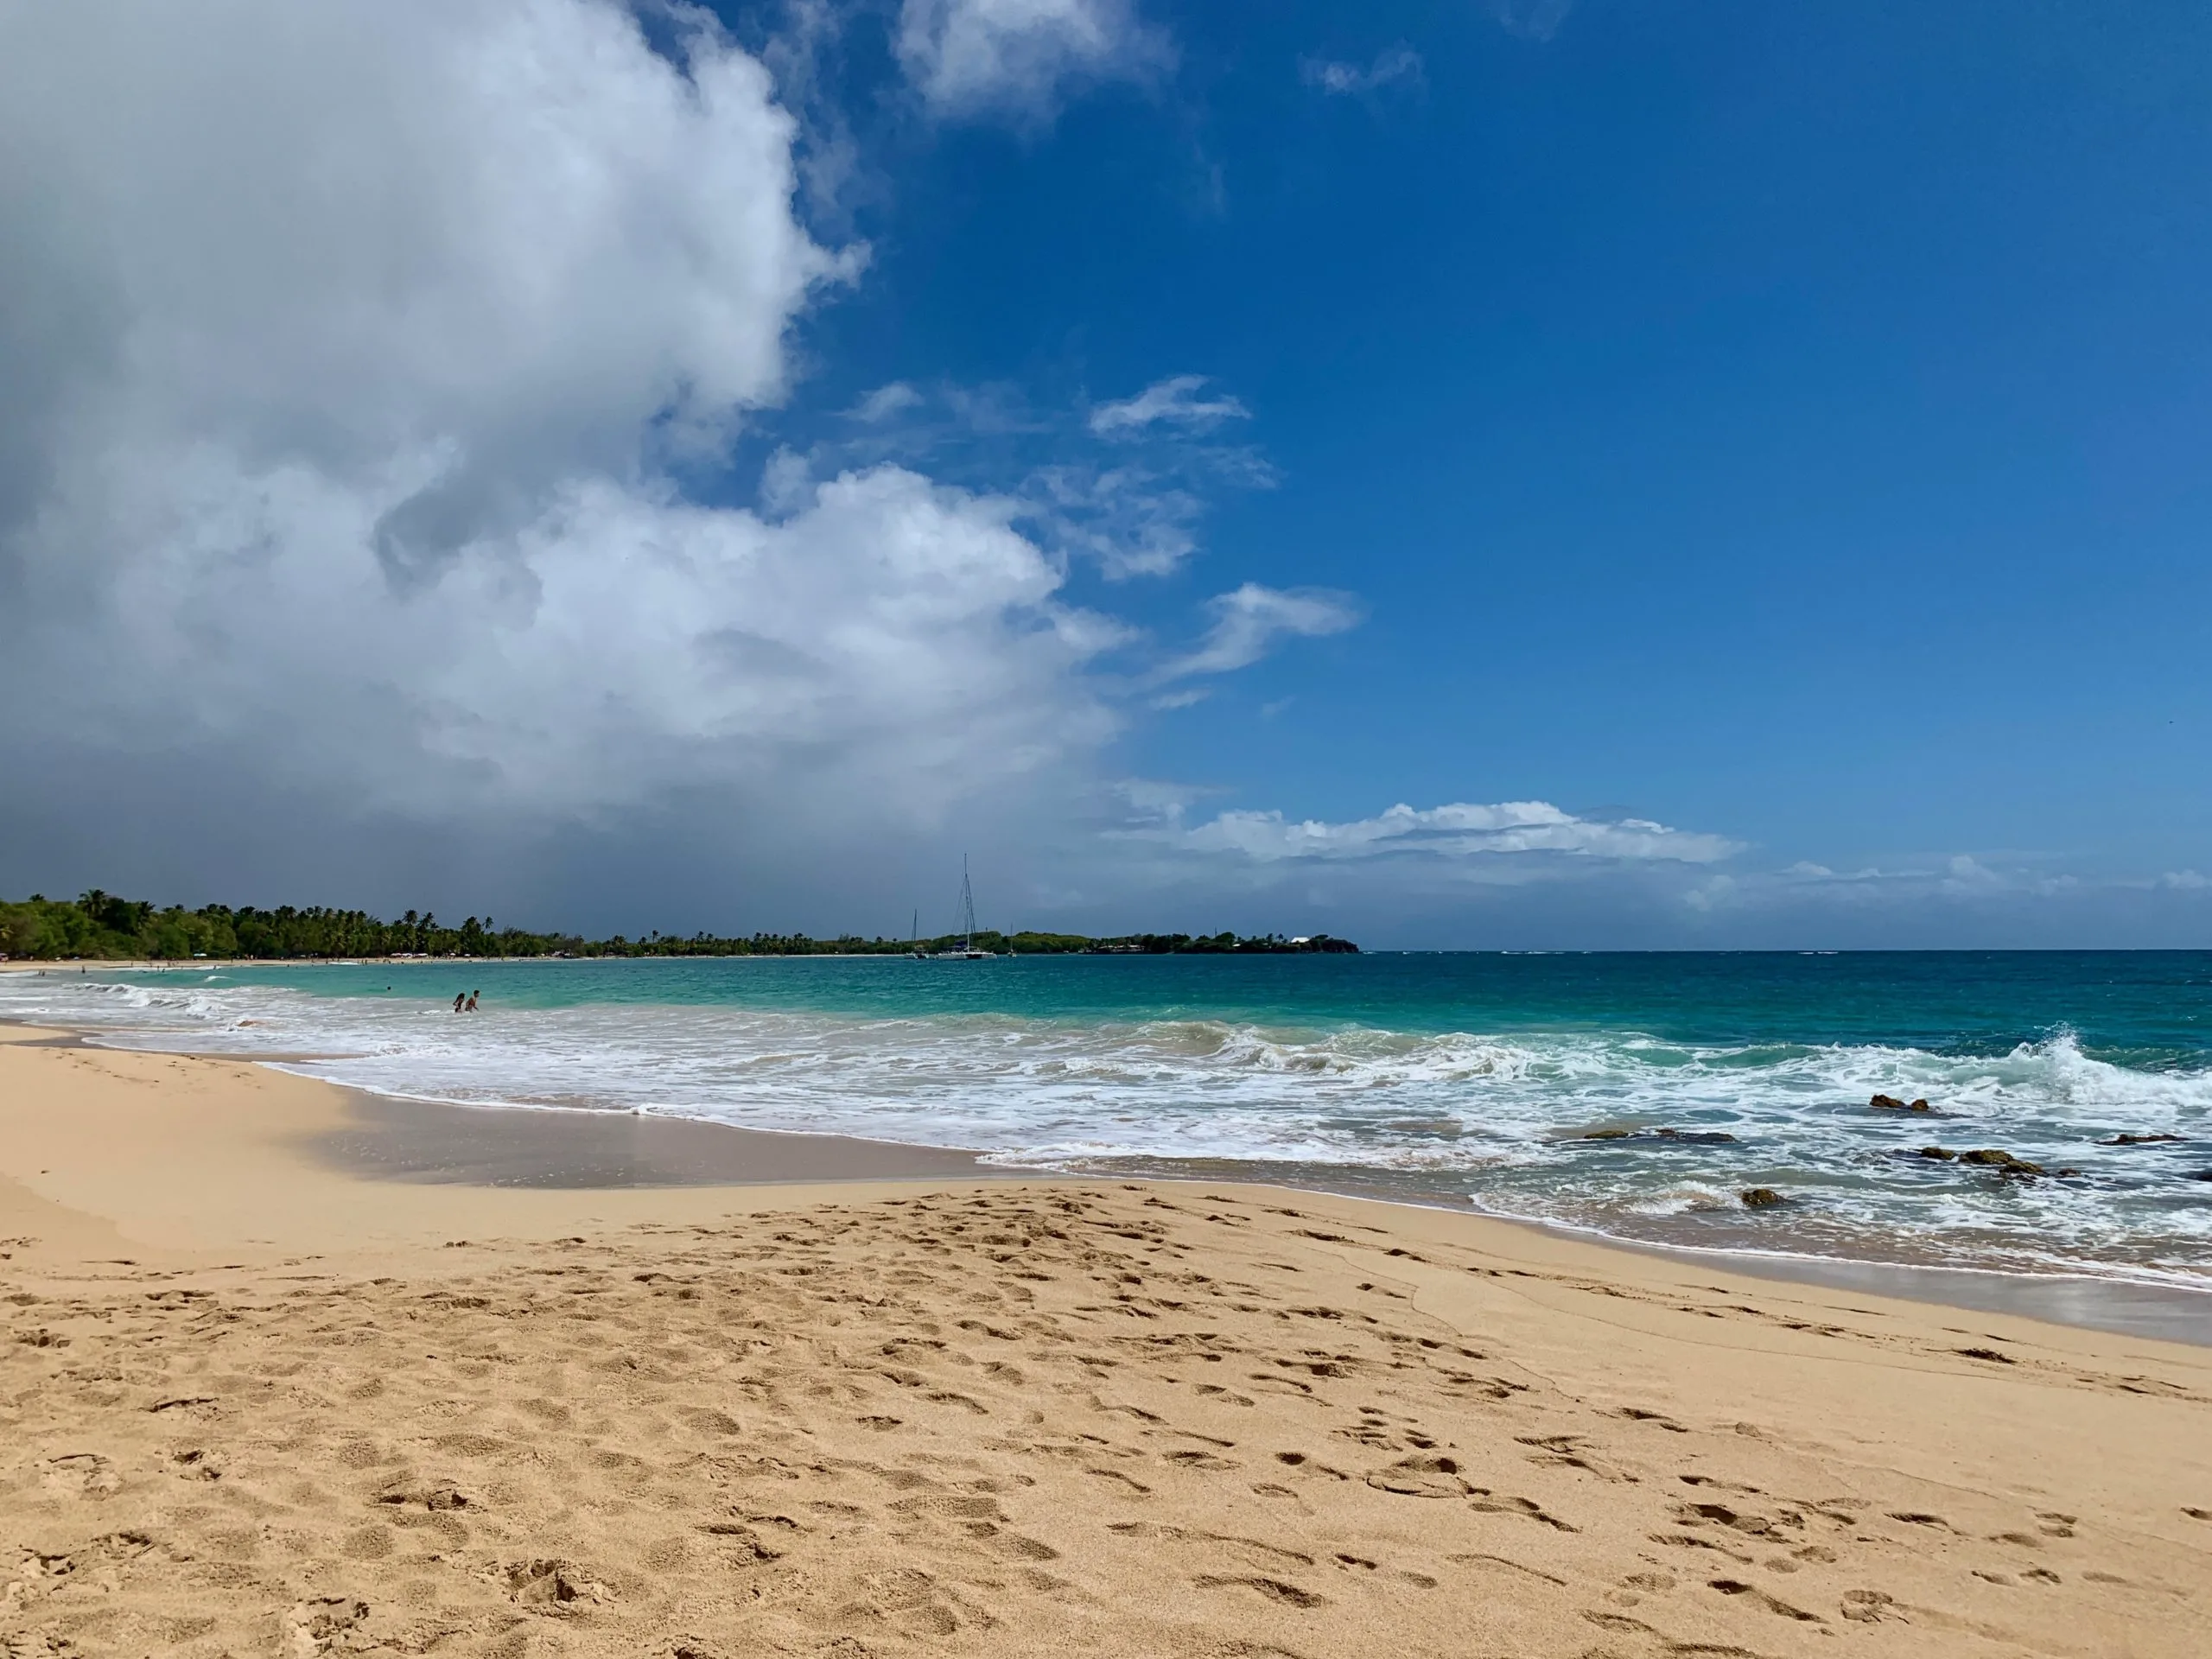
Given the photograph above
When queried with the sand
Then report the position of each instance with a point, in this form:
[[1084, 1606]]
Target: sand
[[258, 1398]]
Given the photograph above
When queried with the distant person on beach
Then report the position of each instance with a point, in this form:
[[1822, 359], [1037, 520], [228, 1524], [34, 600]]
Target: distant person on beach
[[472, 1001], [459, 998]]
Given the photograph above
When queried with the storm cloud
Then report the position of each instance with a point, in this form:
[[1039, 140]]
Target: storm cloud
[[350, 351]]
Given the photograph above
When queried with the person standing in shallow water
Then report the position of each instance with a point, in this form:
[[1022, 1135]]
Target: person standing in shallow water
[[472, 1000], [459, 998]]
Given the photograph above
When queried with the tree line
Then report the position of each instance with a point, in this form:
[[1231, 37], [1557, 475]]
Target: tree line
[[98, 926]]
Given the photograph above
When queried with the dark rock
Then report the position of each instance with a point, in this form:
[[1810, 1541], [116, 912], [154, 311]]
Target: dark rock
[[2064, 1173], [2136, 1139], [2003, 1162], [1891, 1104], [1609, 1134], [1920, 1106], [2202, 1175], [1758, 1198], [1697, 1137], [1944, 1152]]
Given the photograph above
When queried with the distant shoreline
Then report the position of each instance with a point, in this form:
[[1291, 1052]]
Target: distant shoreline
[[164, 964]]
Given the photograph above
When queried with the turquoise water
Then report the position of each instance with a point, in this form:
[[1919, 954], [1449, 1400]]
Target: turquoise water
[[1466, 1078]]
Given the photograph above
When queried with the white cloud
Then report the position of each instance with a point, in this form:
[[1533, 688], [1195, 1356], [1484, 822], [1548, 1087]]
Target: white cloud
[[1395, 63], [889, 635], [1249, 619], [2185, 880], [1131, 501], [1965, 874], [1961, 879], [346, 345], [1456, 832], [879, 405], [1189, 697], [1130, 520], [443, 254], [972, 57], [1535, 20], [1174, 402]]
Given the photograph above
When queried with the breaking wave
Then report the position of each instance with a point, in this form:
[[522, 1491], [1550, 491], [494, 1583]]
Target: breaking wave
[[1505, 1120]]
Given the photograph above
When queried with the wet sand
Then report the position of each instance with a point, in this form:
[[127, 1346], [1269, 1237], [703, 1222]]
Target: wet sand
[[422, 1141], [2122, 1307], [426, 1141], [255, 1396]]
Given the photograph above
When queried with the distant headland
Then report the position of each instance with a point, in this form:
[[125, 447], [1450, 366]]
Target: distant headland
[[98, 926]]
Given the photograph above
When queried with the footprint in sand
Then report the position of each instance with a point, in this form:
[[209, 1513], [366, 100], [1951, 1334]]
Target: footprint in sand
[[195, 1463], [1870, 1606], [1272, 1589], [1759, 1598], [1751, 1525], [1427, 1476], [82, 1474], [1690, 1540], [1204, 1462], [551, 1586], [313, 1627], [1487, 1503], [1135, 1485]]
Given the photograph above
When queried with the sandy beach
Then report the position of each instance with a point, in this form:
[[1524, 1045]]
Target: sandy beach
[[287, 1371]]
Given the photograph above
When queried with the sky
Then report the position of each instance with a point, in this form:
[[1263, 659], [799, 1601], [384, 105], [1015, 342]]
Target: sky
[[1485, 473]]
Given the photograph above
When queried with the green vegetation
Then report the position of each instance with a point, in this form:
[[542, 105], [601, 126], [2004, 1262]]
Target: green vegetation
[[99, 927]]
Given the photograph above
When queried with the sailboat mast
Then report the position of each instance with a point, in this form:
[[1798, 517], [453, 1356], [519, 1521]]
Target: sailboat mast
[[967, 908]]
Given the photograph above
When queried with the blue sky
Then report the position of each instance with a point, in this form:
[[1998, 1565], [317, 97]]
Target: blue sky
[[1785, 420], [1780, 424]]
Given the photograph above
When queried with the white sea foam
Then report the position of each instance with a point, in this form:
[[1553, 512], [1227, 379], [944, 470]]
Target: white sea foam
[[1498, 1117]]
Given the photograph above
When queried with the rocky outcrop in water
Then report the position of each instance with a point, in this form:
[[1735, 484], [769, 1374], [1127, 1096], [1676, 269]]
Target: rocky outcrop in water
[[1680, 1137], [2002, 1162], [2137, 1140], [1988, 1158], [1891, 1104], [1760, 1197]]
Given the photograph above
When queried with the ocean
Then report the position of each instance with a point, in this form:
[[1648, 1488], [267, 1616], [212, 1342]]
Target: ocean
[[1465, 1079]]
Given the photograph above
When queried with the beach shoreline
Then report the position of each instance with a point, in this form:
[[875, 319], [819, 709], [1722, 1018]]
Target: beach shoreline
[[402, 1138], [939, 1410]]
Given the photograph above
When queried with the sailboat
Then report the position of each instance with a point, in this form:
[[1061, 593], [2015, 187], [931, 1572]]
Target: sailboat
[[965, 950]]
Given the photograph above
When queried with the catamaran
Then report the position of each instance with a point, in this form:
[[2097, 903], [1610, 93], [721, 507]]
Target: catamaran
[[965, 950]]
